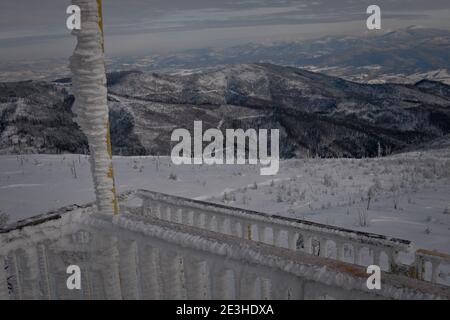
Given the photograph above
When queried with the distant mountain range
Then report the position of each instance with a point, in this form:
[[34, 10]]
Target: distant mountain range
[[317, 114], [401, 56]]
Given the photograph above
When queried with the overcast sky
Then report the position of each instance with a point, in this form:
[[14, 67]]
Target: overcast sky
[[33, 29]]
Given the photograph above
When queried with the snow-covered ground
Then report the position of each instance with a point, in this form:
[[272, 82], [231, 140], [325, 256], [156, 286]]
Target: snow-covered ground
[[408, 193]]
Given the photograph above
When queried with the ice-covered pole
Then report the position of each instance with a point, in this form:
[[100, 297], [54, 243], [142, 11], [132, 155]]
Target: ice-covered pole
[[89, 86]]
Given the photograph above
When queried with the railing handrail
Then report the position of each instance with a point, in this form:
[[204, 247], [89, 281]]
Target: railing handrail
[[365, 237], [433, 255]]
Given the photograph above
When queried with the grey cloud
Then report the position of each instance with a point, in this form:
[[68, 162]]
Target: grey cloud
[[31, 23]]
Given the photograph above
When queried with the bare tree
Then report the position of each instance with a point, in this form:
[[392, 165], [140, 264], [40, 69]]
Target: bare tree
[[4, 218]]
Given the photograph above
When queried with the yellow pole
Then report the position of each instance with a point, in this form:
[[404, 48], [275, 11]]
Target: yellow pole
[[108, 134]]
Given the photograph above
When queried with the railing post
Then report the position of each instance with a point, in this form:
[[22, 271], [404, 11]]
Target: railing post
[[43, 266], [248, 231], [223, 224], [221, 285], [292, 240], [30, 285], [4, 293], [394, 261], [340, 246], [420, 267], [261, 233], [111, 274], [434, 271], [187, 217], [248, 286], [357, 254], [150, 273], [237, 229], [266, 289], [173, 276], [276, 237], [197, 275], [323, 247], [177, 215], [129, 270]]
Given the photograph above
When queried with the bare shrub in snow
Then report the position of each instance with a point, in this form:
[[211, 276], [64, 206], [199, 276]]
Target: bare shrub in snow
[[4, 218], [362, 215], [73, 170], [279, 197], [371, 193], [328, 181], [173, 176], [395, 189]]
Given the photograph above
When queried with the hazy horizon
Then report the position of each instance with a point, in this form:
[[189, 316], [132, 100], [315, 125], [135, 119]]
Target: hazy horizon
[[36, 30]]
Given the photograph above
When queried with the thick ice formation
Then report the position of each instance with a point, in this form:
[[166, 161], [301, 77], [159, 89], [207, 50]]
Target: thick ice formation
[[89, 85]]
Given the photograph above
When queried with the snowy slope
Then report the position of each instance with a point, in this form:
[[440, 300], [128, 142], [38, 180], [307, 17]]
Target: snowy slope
[[408, 198]]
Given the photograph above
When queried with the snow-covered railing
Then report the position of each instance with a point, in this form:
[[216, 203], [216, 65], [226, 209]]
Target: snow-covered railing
[[432, 266], [326, 241], [142, 257], [361, 248]]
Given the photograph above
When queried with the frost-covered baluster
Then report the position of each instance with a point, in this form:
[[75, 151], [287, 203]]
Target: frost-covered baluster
[[174, 279], [261, 233], [162, 212], [434, 271], [4, 294], [292, 239], [247, 234], [199, 220], [16, 275], [89, 86], [157, 209], [87, 285], [420, 267], [111, 275], [186, 217], [394, 260], [179, 215], [30, 284], [340, 246], [237, 229], [276, 237], [376, 256], [266, 289], [323, 247], [150, 273], [220, 282], [171, 213], [146, 209], [222, 223], [248, 286], [308, 244], [129, 274], [45, 275], [212, 224], [198, 282], [357, 254]]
